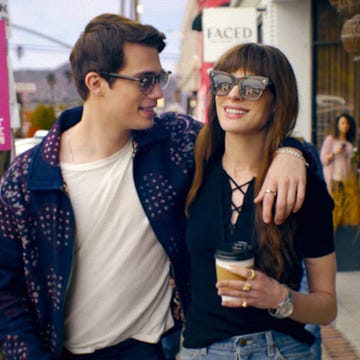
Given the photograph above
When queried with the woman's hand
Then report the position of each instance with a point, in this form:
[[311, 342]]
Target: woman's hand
[[263, 292], [259, 290], [286, 178], [339, 150]]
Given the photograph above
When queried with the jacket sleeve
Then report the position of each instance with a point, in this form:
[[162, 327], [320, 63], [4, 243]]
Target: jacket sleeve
[[326, 149], [19, 335]]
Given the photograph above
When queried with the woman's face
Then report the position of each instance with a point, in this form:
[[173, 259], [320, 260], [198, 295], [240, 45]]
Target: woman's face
[[343, 125], [239, 115]]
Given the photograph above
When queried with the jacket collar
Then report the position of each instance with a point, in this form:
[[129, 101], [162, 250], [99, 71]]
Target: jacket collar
[[45, 172], [152, 135]]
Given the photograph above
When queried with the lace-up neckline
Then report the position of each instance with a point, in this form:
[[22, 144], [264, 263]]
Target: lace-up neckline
[[235, 207]]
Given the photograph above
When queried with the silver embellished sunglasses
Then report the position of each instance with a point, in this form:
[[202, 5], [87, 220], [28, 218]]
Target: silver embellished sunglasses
[[251, 87], [146, 81]]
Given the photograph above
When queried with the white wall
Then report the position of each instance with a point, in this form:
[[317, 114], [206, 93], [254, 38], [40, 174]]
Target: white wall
[[287, 25]]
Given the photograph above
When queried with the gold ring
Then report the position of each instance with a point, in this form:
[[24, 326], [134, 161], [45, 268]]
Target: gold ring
[[253, 274], [247, 286], [271, 192], [244, 303]]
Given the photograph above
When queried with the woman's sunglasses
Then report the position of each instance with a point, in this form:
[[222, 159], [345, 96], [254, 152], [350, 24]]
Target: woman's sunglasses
[[250, 87]]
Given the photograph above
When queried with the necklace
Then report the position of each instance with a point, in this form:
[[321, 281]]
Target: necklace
[[70, 148], [134, 148]]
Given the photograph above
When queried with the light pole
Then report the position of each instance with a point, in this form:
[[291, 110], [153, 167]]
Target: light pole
[[129, 8], [136, 6]]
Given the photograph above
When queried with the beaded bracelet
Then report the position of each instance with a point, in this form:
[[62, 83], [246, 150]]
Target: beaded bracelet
[[285, 150]]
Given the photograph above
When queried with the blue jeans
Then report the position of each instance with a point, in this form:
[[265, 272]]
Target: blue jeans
[[171, 344], [270, 345]]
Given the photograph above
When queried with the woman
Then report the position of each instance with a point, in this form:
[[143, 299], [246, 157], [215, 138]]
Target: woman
[[337, 150], [336, 155], [253, 106]]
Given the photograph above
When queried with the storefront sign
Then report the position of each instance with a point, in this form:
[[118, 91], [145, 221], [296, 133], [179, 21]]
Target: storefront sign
[[5, 132], [224, 28]]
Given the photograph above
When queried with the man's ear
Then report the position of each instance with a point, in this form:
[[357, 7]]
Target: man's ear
[[95, 83]]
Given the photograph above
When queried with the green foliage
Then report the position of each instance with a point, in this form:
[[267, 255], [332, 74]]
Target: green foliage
[[43, 117]]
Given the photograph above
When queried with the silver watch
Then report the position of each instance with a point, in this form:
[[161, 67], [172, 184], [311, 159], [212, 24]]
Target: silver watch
[[285, 307]]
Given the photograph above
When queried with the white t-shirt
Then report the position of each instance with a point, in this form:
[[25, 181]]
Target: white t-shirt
[[119, 285]]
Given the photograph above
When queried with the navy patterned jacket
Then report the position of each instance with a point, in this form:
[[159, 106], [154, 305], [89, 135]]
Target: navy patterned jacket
[[37, 228]]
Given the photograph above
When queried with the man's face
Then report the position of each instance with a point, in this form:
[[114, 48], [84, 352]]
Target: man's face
[[130, 107]]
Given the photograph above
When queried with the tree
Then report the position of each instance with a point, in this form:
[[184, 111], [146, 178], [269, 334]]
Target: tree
[[68, 76], [43, 117], [51, 80]]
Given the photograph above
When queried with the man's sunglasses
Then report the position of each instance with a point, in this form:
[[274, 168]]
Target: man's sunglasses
[[146, 81], [250, 87]]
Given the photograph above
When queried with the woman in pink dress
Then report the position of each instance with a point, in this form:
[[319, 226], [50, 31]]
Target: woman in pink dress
[[336, 154]]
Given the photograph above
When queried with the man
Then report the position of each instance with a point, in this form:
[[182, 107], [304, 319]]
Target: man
[[91, 218]]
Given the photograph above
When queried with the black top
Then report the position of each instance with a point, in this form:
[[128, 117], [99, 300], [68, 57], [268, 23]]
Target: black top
[[207, 321]]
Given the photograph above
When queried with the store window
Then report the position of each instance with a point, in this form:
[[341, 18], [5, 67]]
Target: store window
[[336, 75], [336, 91]]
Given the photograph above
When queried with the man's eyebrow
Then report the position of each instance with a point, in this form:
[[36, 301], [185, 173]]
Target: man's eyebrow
[[149, 73]]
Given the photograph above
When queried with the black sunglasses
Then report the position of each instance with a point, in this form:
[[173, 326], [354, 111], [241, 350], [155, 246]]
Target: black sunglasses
[[146, 81], [250, 87]]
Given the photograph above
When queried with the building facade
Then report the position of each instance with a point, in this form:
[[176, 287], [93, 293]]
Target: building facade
[[309, 33]]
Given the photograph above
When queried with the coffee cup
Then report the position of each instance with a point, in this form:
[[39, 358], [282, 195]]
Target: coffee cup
[[240, 254]]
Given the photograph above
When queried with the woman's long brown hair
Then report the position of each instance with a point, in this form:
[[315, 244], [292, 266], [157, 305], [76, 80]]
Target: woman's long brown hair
[[276, 253]]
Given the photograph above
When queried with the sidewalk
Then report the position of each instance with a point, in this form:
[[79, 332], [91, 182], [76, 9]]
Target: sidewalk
[[341, 340]]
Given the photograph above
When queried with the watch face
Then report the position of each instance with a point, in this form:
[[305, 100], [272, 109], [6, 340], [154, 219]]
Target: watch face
[[287, 308]]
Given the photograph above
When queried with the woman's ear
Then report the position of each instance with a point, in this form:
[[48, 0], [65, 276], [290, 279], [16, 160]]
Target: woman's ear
[[95, 83]]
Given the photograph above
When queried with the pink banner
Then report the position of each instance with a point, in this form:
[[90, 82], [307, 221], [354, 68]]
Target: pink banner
[[5, 132]]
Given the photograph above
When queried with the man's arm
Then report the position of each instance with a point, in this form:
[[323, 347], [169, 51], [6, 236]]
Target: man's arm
[[19, 335], [287, 178]]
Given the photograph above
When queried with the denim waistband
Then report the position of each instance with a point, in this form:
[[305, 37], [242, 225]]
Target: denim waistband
[[266, 341], [263, 345]]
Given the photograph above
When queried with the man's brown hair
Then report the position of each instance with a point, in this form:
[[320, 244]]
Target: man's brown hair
[[100, 48]]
